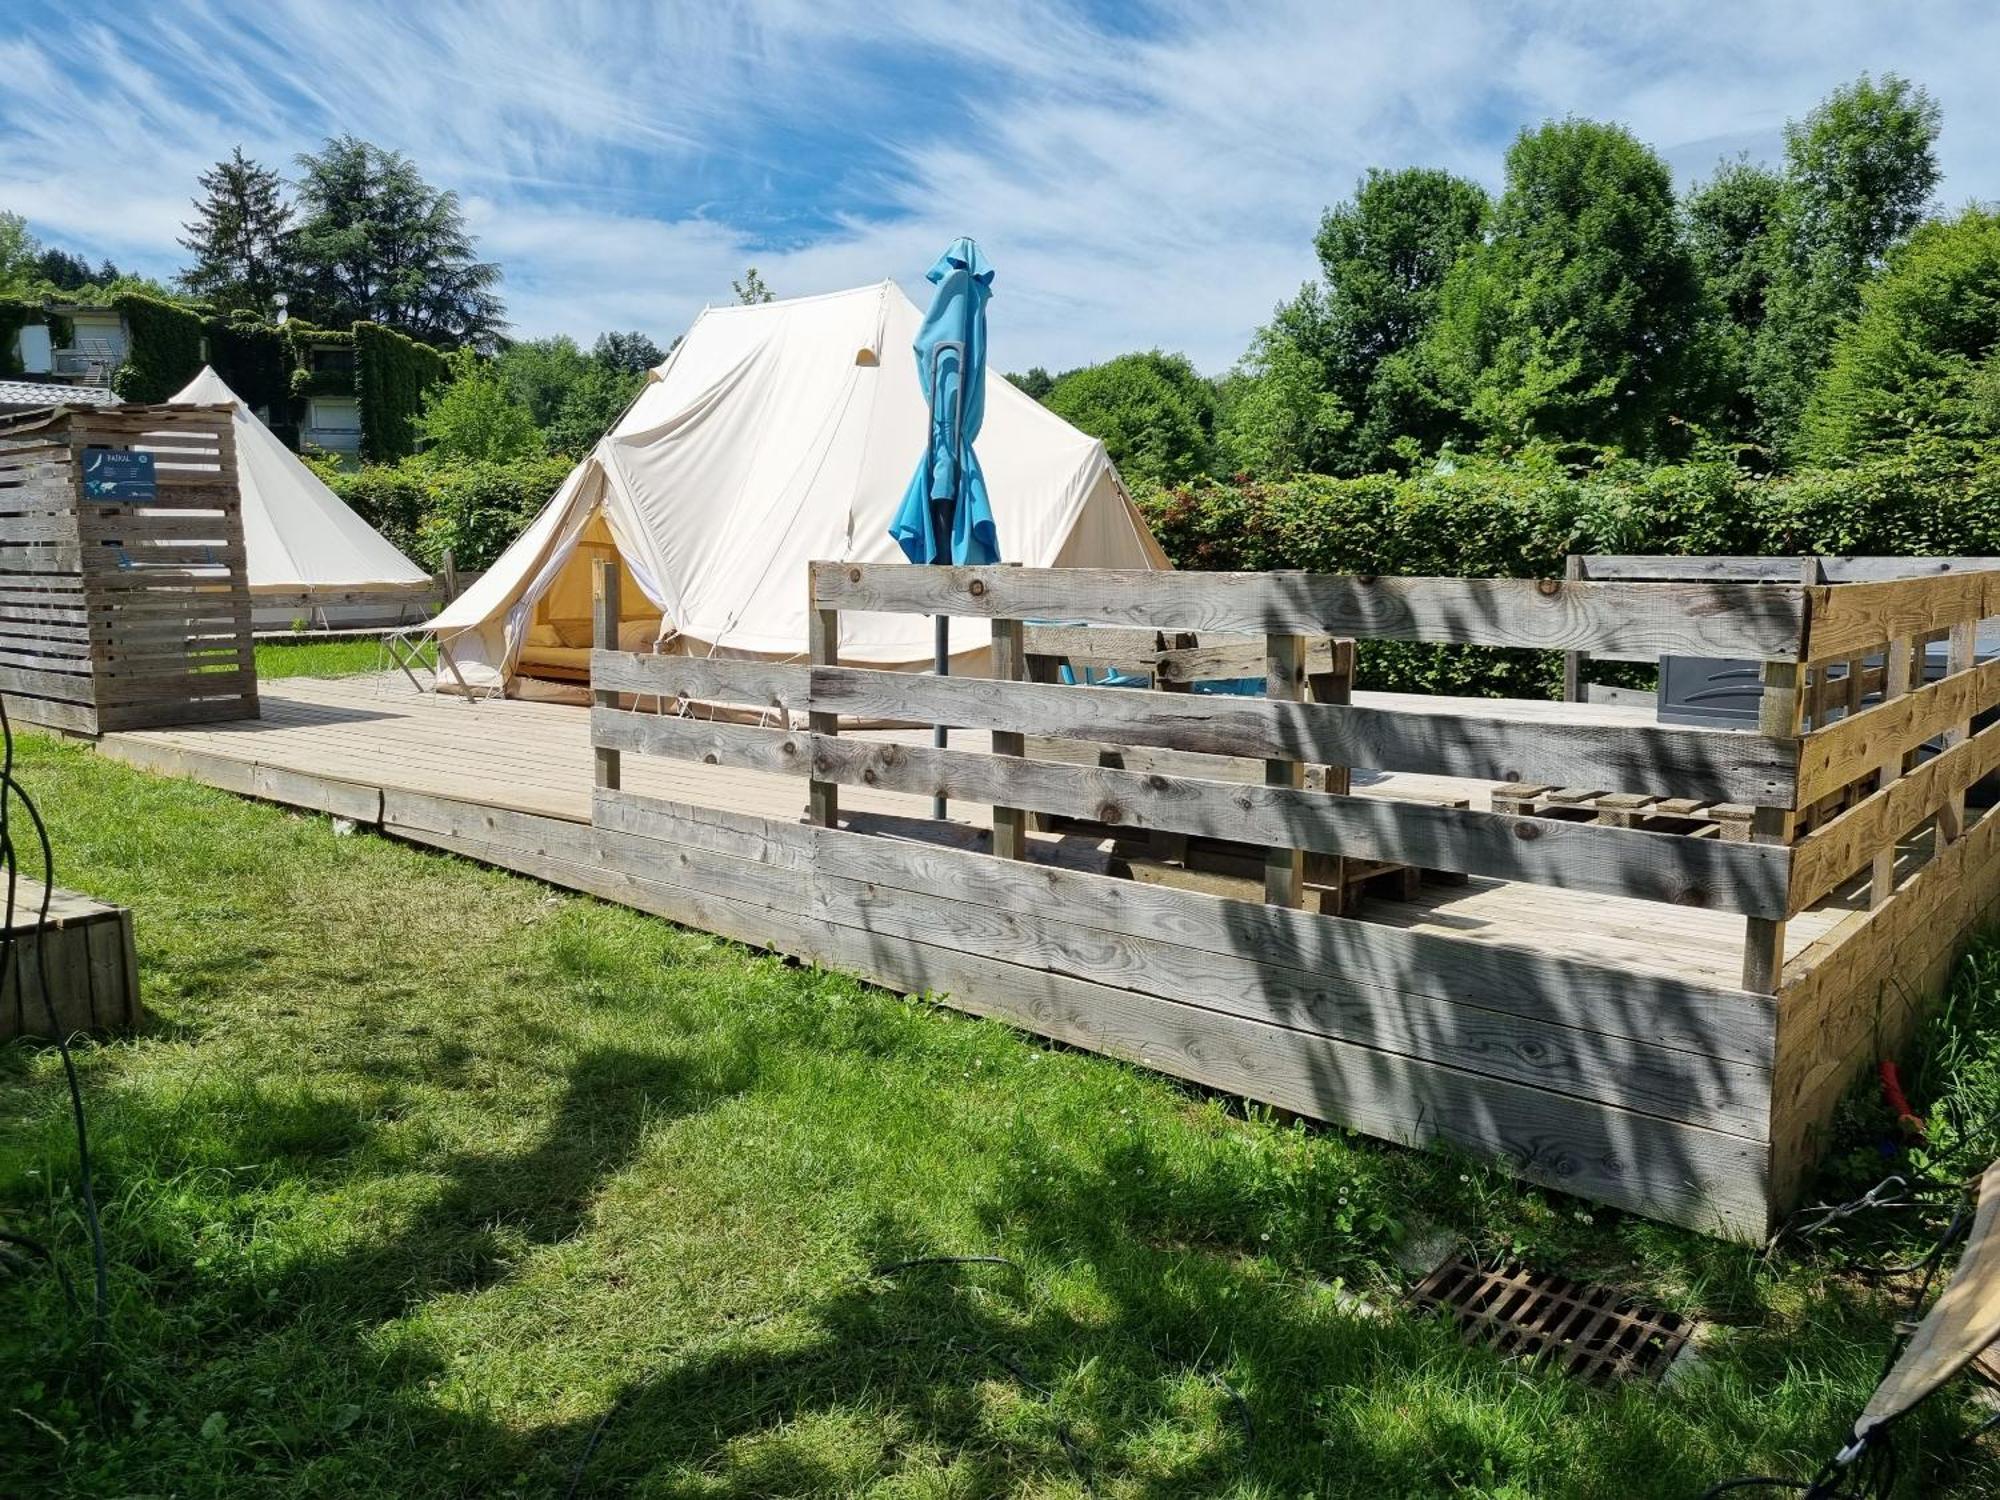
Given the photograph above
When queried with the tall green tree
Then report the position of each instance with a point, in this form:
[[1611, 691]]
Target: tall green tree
[[1577, 320], [377, 242], [1860, 170], [1154, 414], [1922, 358], [1383, 258], [1735, 221], [240, 236]]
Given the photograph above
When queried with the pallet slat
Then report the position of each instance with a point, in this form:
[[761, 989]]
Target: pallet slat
[[1689, 619]]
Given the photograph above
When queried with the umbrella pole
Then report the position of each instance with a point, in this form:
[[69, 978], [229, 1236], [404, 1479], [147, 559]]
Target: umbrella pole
[[941, 661]]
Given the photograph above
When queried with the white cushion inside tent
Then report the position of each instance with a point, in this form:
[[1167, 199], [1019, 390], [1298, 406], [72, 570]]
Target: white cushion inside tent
[[298, 536], [776, 435]]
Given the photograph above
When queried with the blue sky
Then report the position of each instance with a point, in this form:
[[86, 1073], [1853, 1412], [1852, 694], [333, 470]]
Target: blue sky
[[1141, 174]]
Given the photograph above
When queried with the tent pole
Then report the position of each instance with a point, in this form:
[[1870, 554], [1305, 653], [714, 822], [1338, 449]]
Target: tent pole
[[941, 662]]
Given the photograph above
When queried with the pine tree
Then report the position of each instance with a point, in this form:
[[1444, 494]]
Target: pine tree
[[240, 236]]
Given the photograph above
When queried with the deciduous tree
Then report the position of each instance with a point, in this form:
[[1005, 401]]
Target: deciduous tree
[[1922, 358], [1154, 414], [1577, 321], [1860, 170]]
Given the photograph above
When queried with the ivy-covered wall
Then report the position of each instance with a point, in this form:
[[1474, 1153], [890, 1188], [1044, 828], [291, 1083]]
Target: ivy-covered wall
[[14, 316], [391, 374], [254, 359], [163, 352]]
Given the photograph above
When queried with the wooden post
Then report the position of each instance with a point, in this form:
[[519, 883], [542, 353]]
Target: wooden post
[[1573, 691], [450, 576], [1284, 677], [823, 649], [1895, 682], [1334, 685], [1964, 641], [1010, 824], [1764, 937], [604, 636]]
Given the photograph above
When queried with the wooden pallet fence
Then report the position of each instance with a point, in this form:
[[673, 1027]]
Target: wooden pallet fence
[[123, 612], [1697, 1103]]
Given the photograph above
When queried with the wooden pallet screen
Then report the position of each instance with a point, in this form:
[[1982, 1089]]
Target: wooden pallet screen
[[121, 613], [1692, 1102]]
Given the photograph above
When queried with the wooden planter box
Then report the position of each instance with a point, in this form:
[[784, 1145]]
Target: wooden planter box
[[129, 609], [85, 958]]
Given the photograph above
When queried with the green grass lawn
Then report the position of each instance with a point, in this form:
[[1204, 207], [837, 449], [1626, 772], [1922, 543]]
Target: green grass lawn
[[340, 658], [422, 1174]]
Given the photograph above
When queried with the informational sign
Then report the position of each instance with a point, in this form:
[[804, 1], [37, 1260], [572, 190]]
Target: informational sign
[[118, 474]]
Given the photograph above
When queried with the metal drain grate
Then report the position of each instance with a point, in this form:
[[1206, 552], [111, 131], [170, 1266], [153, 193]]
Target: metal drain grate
[[1589, 1331]]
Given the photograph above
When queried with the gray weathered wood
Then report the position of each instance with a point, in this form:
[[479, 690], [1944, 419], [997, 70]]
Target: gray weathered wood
[[1285, 681], [1521, 981], [1771, 825], [1213, 660], [715, 829], [604, 633], [1010, 824], [1773, 569], [714, 742], [1260, 986], [1579, 856], [702, 679], [1684, 1173], [1093, 643], [1694, 619], [823, 650], [1713, 764]]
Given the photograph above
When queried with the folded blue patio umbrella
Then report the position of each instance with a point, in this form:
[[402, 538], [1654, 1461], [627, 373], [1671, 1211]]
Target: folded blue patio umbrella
[[946, 516]]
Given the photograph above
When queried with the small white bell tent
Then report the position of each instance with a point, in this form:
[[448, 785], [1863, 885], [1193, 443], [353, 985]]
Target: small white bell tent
[[307, 553], [773, 436]]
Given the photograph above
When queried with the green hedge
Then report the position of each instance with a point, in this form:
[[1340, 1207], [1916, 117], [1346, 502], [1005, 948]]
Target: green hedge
[[163, 352], [472, 509], [391, 374], [1521, 518]]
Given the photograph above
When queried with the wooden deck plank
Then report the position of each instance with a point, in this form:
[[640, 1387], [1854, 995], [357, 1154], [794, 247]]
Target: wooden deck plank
[[535, 758]]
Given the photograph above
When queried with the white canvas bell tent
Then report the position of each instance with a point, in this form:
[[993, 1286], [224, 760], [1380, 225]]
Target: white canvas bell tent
[[773, 436], [306, 552]]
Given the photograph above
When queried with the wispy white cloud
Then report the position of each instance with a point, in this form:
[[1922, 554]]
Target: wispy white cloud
[[1151, 182]]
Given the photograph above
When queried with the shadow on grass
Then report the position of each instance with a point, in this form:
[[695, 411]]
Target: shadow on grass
[[495, 1202]]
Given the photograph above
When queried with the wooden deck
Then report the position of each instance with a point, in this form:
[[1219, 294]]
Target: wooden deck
[[337, 744], [1646, 976]]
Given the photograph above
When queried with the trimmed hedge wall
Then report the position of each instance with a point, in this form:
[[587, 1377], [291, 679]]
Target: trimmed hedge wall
[[1522, 518], [391, 374], [164, 352]]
